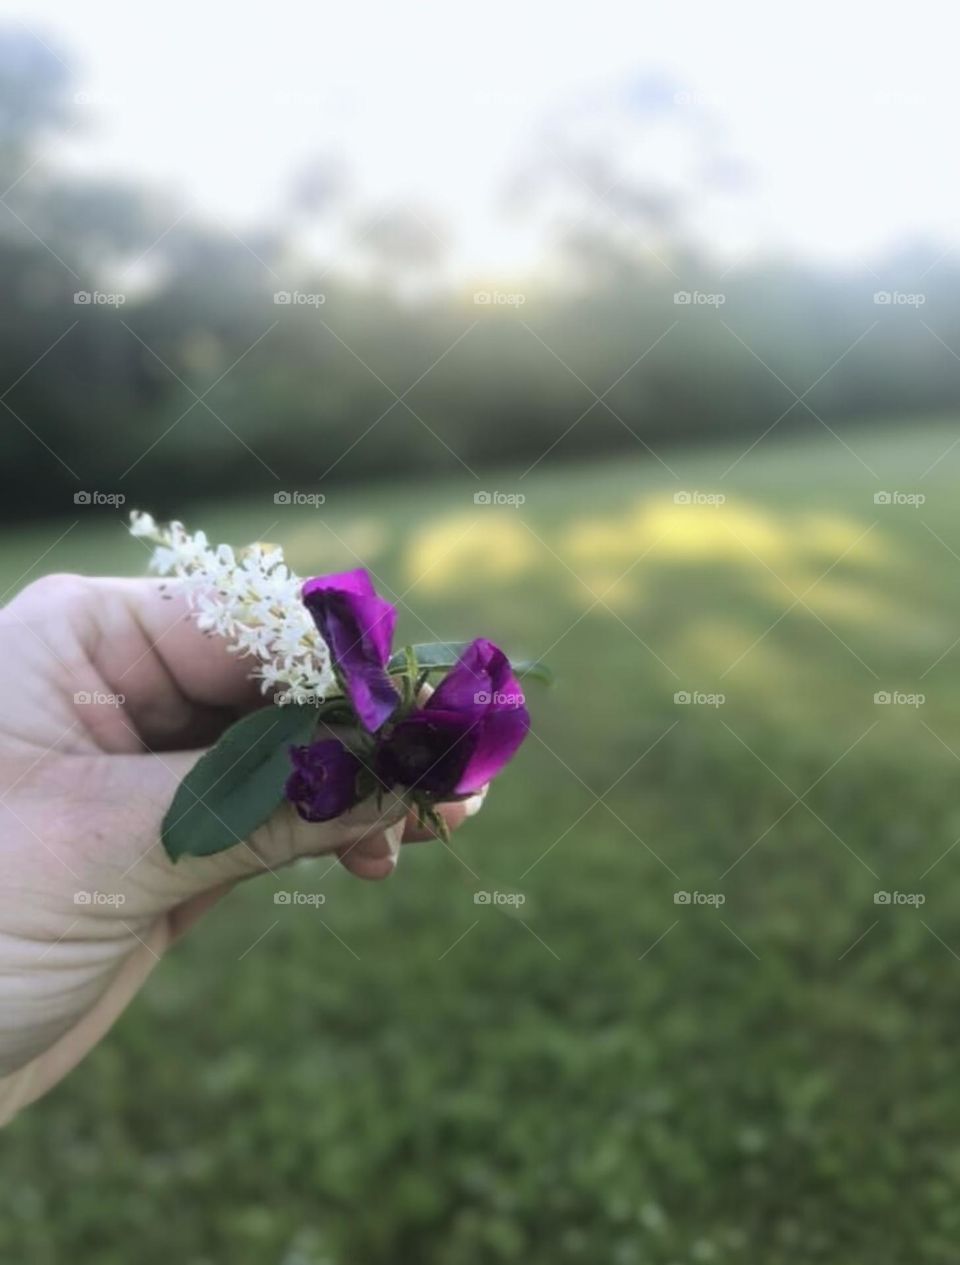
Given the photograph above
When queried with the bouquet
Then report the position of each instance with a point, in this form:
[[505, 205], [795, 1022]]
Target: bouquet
[[349, 717]]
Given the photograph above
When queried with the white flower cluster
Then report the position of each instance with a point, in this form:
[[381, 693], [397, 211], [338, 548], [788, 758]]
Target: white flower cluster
[[252, 600]]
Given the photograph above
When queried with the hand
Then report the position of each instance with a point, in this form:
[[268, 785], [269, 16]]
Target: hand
[[84, 786]]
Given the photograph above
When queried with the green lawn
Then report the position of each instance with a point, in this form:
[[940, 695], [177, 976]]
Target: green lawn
[[602, 1074]]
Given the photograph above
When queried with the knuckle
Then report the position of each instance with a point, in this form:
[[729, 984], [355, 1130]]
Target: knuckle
[[59, 588], [278, 842]]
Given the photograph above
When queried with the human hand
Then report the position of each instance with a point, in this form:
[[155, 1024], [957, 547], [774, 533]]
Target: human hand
[[84, 786]]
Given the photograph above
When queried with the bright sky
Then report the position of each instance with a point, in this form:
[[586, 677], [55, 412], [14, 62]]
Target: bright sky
[[843, 112]]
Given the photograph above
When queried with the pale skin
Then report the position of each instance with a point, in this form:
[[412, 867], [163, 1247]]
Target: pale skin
[[83, 790]]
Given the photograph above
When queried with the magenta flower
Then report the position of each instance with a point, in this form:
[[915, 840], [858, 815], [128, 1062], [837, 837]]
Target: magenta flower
[[323, 783], [469, 728], [357, 625], [465, 733]]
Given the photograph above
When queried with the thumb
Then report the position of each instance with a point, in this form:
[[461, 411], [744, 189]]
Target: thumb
[[369, 833]]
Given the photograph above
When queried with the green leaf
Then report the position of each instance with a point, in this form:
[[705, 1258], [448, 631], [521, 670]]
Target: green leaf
[[442, 655], [335, 711], [431, 655], [237, 784], [535, 669]]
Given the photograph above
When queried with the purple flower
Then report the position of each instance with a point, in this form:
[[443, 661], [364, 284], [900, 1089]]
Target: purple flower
[[357, 626], [470, 727], [323, 783]]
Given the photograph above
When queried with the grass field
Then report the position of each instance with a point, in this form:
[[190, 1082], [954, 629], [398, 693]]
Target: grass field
[[601, 1074]]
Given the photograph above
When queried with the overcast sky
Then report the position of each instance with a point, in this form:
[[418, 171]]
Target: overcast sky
[[845, 119]]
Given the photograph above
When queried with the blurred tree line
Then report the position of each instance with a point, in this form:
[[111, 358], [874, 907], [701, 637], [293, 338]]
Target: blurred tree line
[[148, 354]]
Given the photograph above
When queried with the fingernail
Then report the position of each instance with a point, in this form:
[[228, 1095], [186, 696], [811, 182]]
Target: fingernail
[[394, 835], [473, 805]]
